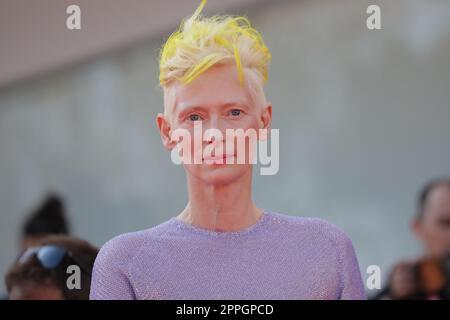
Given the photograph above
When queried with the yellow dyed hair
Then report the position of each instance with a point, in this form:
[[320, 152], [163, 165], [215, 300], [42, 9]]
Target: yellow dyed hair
[[201, 42]]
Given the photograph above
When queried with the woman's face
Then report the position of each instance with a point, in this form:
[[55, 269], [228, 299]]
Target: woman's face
[[434, 227], [217, 100]]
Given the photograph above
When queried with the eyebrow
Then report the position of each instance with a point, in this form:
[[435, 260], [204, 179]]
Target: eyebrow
[[184, 108], [235, 104]]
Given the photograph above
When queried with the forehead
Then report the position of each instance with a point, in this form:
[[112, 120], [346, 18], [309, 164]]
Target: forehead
[[439, 198], [217, 86]]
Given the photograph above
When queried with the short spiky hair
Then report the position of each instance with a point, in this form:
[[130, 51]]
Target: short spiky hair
[[201, 42]]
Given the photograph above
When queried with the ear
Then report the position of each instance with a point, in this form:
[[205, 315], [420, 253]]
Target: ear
[[266, 120], [416, 228], [164, 131]]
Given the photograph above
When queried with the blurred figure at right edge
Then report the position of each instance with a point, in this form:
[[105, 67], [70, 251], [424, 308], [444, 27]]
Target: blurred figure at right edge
[[429, 276]]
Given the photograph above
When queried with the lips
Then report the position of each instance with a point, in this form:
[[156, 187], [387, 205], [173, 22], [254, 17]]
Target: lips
[[214, 158]]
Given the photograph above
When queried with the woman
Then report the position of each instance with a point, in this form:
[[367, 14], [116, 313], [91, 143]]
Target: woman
[[222, 246]]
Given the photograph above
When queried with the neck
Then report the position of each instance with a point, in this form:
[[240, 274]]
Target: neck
[[225, 207]]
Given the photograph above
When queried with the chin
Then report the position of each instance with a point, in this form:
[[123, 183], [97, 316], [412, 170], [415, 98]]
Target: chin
[[218, 175]]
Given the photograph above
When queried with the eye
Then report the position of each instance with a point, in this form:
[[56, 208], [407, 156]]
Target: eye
[[235, 112], [194, 117]]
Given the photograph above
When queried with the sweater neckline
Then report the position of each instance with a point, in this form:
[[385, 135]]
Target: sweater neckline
[[250, 229]]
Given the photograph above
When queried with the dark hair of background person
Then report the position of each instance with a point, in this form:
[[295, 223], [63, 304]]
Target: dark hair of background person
[[48, 218], [426, 191], [32, 272]]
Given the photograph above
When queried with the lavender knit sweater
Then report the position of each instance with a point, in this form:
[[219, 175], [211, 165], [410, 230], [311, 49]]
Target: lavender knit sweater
[[278, 257]]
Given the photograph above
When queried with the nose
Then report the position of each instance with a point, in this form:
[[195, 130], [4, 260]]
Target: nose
[[212, 129]]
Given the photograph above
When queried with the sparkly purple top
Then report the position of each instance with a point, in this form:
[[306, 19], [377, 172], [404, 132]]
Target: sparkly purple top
[[278, 257]]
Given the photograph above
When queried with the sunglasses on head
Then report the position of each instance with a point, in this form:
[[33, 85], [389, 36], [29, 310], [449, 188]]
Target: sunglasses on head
[[50, 256]]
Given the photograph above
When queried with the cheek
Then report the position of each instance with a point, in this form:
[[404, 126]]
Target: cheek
[[430, 229], [186, 143], [249, 122], [434, 233]]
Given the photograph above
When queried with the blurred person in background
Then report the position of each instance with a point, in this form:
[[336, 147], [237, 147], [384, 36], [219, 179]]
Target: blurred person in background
[[41, 271], [48, 218], [429, 276]]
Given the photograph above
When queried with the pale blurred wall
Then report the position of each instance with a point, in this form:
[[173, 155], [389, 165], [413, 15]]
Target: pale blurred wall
[[363, 116]]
